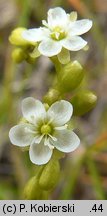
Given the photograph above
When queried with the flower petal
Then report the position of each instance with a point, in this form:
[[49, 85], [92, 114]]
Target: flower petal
[[60, 112], [81, 26], [38, 138], [67, 141], [57, 17], [40, 153], [49, 47], [33, 35], [32, 108], [19, 136], [74, 43]]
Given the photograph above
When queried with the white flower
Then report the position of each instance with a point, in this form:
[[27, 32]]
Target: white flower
[[44, 131], [61, 31]]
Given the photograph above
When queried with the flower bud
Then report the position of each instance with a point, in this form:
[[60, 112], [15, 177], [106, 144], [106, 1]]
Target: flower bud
[[50, 175], [30, 59], [70, 77], [46, 106], [16, 37], [18, 55], [52, 96], [83, 102], [32, 190]]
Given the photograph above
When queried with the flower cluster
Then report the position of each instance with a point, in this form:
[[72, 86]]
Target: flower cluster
[[44, 130], [61, 30]]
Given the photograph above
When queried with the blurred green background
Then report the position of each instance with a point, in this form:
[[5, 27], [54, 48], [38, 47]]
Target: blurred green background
[[83, 172]]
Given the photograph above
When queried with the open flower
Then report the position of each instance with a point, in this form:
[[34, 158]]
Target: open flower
[[61, 31], [44, 131]]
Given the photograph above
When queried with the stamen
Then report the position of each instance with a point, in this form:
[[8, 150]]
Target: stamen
[[46, 143], [61, 127], [58, 33], [38, 138], [52, 137]]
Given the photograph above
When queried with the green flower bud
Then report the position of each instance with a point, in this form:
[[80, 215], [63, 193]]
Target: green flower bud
[[50, 175], [46, 106], [52, 96], [30, 59], [16, 37], [83, 102], [33, 191], [35, 53], [70, 77], [18, 55]]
